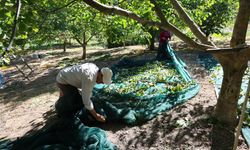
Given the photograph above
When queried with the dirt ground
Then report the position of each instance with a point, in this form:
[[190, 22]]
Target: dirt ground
[[27, 106]]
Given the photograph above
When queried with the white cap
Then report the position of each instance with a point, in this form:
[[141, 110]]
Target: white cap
[[107, 75]]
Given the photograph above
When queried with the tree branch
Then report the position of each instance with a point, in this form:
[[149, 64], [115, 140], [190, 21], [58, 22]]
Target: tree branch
[[18, 7], [245, 53], [227, 53], [111, 10], [227, 50], [190, 23], [59, 8], [78, 40], [119, 11], [89, 38], [159, 12], [241, 23], [46, 13]]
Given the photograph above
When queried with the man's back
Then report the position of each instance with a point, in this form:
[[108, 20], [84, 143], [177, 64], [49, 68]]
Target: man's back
[[74, 75]]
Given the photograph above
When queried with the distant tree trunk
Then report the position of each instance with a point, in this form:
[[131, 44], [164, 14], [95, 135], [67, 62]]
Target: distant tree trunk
[[84, 51], [23, 46], [64, 45], [124, 44], [152, 39], [84, 44]]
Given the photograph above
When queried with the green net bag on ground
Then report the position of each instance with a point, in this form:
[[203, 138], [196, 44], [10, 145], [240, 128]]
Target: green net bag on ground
[[143, 88], [65, 134]]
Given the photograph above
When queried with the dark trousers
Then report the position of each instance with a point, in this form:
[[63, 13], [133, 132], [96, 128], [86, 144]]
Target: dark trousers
[[70, 102]]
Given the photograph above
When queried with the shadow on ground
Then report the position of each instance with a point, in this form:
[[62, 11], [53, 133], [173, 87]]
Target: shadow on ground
[[49, 118], [160, 127], [20, 90]]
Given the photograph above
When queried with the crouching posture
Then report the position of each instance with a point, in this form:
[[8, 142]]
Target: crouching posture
[[84, 77]]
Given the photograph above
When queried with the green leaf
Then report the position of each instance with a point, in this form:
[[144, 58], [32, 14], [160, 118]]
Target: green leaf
[[8, 14], [124, 23], [9, 4], [24, 36], [35, 30], [34, 12]]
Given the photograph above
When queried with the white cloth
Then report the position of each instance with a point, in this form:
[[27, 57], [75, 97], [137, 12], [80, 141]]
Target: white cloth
[[81, 76]]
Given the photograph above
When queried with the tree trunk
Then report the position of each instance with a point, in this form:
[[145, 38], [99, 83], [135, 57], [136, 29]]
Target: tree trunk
[[84, 51], [84, 44], [64, 45], [152, 39], [233, 71], [23, 46], [226, 109]]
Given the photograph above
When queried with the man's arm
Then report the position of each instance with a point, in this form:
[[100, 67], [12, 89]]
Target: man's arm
[[87, 88]]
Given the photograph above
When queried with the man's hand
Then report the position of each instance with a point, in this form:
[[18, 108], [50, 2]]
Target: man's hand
[[97, 116], [100, 118]]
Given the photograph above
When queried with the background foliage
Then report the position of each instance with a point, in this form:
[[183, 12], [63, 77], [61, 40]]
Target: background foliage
[[48, 22]]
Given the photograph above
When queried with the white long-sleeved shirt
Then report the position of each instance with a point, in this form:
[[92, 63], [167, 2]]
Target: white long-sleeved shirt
[[81, 76]]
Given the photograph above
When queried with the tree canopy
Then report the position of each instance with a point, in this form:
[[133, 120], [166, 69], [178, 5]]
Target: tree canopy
[[46, 19]]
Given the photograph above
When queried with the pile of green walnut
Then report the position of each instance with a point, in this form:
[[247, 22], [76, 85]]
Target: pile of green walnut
[[150, 79]]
